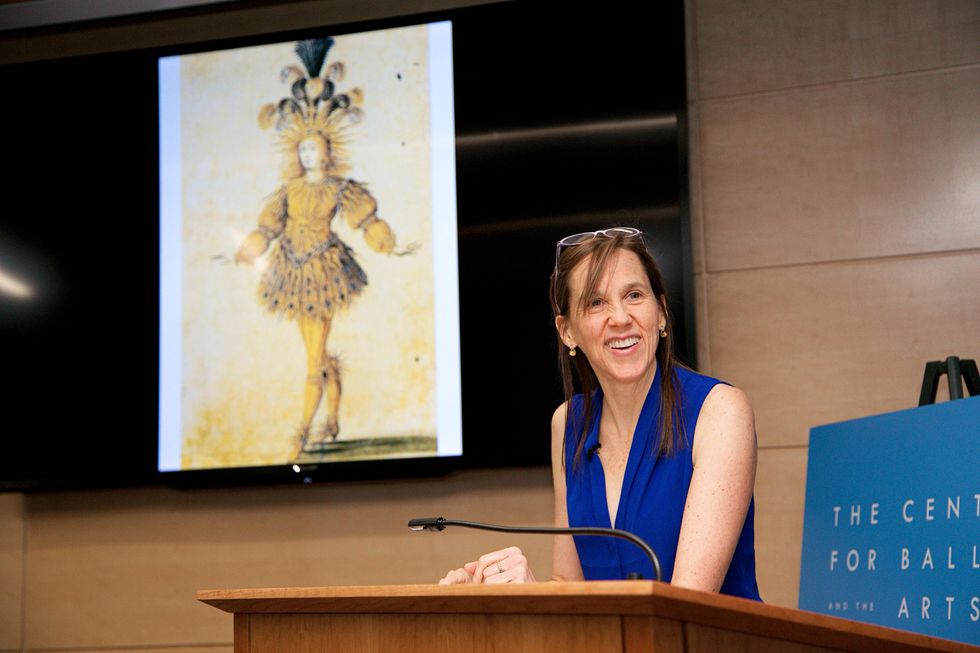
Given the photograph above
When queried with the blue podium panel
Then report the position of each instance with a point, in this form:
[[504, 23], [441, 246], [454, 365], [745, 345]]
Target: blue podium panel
[[891, 532]]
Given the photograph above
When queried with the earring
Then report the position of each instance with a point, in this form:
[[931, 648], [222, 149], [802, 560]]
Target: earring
[[571, 351], [663, 331]]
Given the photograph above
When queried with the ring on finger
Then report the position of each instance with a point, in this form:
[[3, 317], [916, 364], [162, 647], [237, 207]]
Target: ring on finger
[[500, 568]]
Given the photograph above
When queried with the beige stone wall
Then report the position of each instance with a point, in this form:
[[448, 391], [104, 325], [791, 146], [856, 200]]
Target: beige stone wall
[[11, 570], [836, 214], [119, 568], [835, 175]]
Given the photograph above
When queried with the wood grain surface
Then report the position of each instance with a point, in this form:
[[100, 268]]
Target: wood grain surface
[[442, 605]]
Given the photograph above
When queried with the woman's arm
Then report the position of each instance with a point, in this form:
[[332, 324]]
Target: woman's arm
[[721, 488], [565, 564]]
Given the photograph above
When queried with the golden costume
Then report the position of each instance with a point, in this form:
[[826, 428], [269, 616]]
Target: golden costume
[[311, 271], [312, 274]]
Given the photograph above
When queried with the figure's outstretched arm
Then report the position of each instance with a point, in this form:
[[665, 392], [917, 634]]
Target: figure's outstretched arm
[[272, 221], [360, 211]]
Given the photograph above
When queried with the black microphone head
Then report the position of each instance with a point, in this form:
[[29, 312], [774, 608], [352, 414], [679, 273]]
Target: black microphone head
[[427, 524]]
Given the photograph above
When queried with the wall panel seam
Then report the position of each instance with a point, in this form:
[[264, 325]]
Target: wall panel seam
[[700, 298], [699, 201], [702, 305], [857, 81], [692, 50], [23, 574], [939, 253]]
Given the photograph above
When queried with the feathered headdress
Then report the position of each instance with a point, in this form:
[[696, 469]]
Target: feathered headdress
[[314, 106]]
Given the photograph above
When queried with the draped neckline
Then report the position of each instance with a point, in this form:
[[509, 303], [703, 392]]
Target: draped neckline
[[646, 429]]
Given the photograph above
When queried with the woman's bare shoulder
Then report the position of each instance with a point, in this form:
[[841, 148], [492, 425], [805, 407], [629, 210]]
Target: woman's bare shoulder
[[724, 397], [558, 417], [558, 435], [726, 420]]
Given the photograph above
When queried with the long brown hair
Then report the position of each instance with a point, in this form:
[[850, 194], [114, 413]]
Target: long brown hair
[[672, 435]]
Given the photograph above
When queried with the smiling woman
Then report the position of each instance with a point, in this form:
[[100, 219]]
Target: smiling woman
[[648, 445], [620, 256]]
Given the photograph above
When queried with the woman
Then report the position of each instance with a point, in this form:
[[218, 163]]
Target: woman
[[648, 446], [312, 274]]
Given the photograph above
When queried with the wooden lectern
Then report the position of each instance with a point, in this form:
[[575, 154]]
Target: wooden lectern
[[594, 617]]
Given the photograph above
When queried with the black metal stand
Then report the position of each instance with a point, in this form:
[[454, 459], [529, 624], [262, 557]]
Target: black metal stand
[[954, 369]]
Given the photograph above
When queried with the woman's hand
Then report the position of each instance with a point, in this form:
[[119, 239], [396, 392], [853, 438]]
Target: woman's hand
[[410, 249], [461, 576], [378, 235], [505, 566]]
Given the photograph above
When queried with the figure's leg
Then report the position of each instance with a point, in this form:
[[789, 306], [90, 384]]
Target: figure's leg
[[314, 332], [331, 371]]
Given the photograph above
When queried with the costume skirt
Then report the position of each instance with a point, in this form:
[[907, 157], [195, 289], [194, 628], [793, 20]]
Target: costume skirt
[[314, 284]]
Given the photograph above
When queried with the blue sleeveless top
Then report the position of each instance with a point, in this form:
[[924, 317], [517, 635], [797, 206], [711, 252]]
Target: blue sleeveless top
[[654, 491]]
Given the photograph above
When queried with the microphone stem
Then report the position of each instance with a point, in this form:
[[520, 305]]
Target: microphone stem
[[579, 530]]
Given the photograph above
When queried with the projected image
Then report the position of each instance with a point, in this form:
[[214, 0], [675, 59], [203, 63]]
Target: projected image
[[312, 275], [305, 253]]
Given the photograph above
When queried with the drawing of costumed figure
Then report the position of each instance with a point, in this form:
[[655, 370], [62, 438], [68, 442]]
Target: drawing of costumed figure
[[312, 275]]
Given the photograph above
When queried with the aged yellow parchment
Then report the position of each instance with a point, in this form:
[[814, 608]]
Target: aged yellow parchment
[[243, 369]]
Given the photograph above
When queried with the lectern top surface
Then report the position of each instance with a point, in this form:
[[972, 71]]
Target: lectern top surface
[[584, 598]]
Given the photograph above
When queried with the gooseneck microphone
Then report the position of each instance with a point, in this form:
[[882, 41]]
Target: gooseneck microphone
[[436, 524]]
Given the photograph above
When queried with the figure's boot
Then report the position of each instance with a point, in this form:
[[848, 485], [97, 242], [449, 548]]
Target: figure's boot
[[312, 393], [302, 435], [331, 375]]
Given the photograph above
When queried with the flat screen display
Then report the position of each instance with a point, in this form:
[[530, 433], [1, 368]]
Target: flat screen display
[[308, 262], [151, 194]]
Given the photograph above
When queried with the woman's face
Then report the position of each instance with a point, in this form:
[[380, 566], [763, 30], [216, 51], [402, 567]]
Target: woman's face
[[313, 153], [620, 329]]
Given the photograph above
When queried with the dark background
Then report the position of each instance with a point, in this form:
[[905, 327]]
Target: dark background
[[565, 122]]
